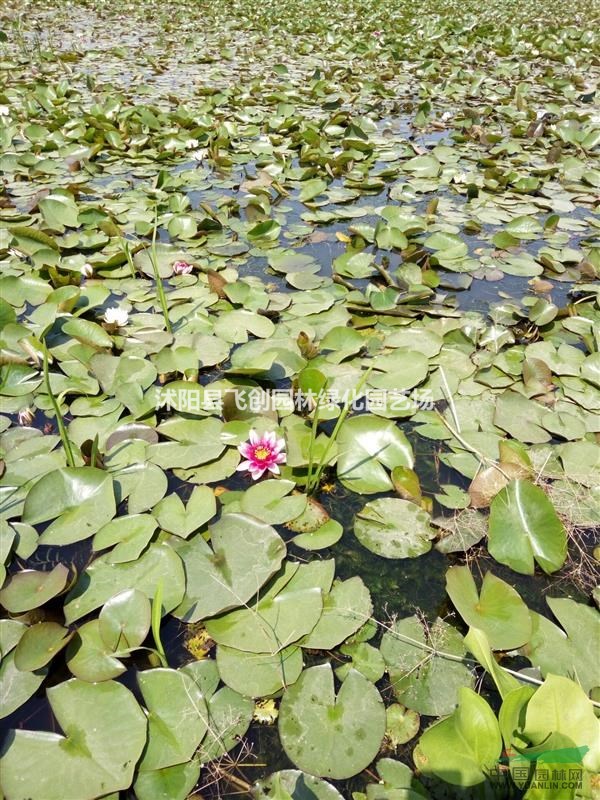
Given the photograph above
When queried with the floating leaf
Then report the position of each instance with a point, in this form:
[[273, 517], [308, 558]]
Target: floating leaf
[[422, 678], [245, 554], [331, 736], [525, 529], [366, 445], [345, 609], [259, 674], [177, 717], [39, 644], [463, 748], [268, 501], [498, 611], [80, 500], [182, 520], [31, 588], [104, 733], [394, 528], [102, 580], [292, 784], [402, 724]]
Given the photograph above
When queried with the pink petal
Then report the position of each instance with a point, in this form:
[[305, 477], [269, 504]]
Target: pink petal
[[270, 438], [257, 472], [254, 437], [244, 465], [274, 469], [280, 458], [280, 444], [246, 450]]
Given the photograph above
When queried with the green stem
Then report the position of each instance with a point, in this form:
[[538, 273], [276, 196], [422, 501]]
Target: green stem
[[340, 421], [129, 258], [461, 659], [156, 617], [160, 291], [59, 417], [313, 436]]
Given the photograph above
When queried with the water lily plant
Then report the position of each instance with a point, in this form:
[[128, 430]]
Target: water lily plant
[[262, 453]]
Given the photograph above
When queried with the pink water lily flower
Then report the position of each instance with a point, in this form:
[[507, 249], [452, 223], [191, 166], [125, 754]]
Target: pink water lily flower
[[182, 268], [262, 453]]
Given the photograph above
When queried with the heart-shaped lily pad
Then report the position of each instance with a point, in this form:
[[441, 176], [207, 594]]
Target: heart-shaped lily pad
[[80, 500], [525, 529], [498, 610], [104, 733], [421, 679], [39, 644], [259, 674], [366, 445], [244, 555], [177, 717], [331, 736], [32, 588], [394, 528], [182, 520]]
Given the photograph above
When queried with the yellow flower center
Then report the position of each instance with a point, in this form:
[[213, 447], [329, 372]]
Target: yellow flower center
[[262, 453]]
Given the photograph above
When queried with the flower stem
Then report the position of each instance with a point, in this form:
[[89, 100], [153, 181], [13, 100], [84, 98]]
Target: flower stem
[[340, 421], [59, 417], [160, 290], [156, 617]]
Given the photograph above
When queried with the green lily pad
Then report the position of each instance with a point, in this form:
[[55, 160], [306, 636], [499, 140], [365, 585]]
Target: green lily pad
[[104, 733], [125, 620], [182, 520], [282, 617], [16, 686], [229, 717], [89, 658], [39, 644], [325, 536], [366, 659], [345, 609], [292, 784], [367, 445], [80, 500], [177, 717], [328, 735], [128, 537], [169, 783], [31, 588], [394, 528], [402, 724], [259, 674], [270, 502], [498, 611], [524, 529], [245, 554], [422, 679], [103, 580]]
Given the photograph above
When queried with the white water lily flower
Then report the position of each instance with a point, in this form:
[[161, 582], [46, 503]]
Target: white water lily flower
[[87, 271], [116, 316]]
